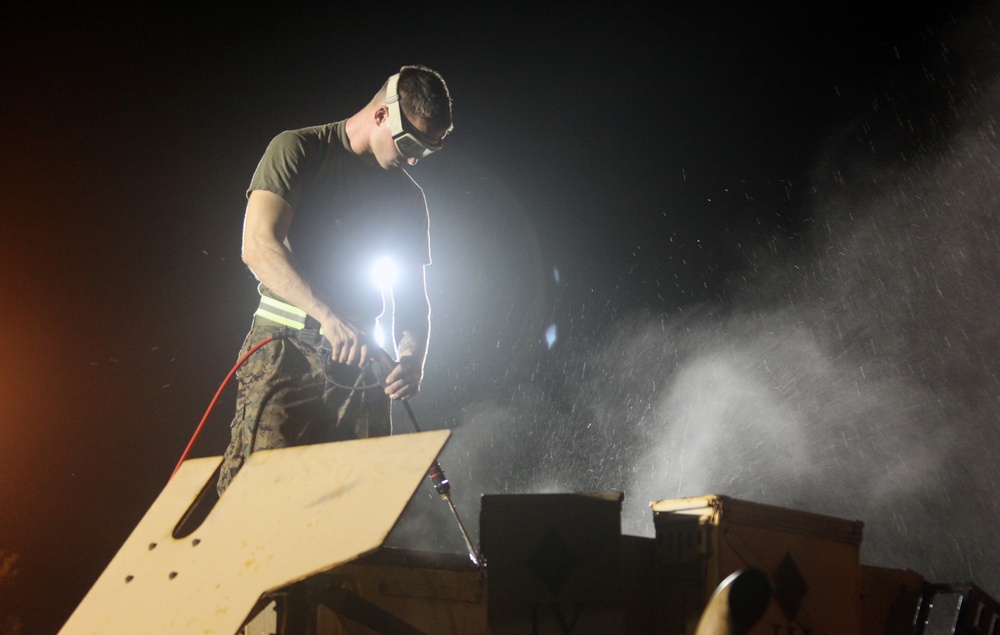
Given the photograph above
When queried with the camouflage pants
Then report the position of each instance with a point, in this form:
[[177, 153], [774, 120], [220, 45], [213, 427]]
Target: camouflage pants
[[289, 396]]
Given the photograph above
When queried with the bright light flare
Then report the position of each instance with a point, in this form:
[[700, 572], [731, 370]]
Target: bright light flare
[[378, 334], [384, 273]]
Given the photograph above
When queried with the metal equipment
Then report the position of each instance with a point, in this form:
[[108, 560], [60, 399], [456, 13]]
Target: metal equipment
[[382, 365]]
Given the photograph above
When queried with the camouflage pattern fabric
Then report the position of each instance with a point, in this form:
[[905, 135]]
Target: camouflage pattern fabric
[[290, 394]]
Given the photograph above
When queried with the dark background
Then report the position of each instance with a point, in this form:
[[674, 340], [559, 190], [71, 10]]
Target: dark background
[[658, 183]]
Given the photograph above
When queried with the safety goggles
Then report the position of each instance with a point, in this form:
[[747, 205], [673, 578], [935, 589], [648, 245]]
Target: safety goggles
[[410, 143]]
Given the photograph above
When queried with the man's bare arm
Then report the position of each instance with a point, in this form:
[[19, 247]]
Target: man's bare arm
[[411, 325], [265, 227]]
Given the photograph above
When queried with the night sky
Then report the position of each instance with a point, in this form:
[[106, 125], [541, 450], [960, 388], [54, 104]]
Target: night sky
[[765, 240]]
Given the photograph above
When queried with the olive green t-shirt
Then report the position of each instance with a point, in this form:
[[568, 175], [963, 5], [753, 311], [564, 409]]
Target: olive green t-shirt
[[347, 214]]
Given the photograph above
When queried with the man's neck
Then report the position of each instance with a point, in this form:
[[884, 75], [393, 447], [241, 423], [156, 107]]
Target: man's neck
[[357, 133]]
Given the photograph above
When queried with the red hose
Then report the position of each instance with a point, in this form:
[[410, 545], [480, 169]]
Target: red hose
[[215, 399]]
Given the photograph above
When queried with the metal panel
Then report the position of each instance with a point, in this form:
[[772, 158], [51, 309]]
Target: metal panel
[[553, 562]]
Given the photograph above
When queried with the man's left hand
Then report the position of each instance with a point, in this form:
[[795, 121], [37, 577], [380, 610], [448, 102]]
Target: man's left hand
[[404, 380]]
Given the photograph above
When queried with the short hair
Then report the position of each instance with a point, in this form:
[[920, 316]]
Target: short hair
[[423, 94]]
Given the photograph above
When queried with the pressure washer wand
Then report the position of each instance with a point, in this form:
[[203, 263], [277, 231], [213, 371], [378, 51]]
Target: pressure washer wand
[[435, 473], [443, 488]]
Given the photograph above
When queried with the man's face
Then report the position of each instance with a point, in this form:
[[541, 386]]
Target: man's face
[[385, 150]]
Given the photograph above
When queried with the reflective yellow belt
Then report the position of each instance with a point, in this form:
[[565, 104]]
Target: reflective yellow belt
[[285, 314]]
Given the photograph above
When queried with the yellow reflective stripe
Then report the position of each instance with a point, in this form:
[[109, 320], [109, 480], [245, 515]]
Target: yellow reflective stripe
[[279, 319], [284, 320], [278, 304]]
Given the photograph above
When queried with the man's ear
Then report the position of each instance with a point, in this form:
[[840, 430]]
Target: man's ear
[[381, 115]]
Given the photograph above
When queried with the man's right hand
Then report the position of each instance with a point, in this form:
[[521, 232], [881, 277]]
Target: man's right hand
[[348, 344]]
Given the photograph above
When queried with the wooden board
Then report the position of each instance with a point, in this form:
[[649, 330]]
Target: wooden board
[[288, 514]]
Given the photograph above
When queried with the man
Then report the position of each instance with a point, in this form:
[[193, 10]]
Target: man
[[324, 204]]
